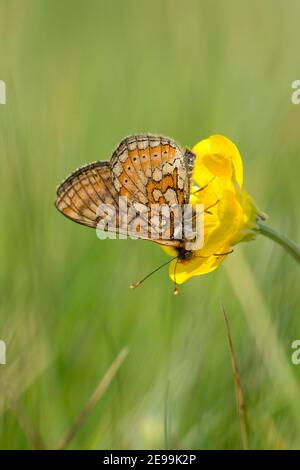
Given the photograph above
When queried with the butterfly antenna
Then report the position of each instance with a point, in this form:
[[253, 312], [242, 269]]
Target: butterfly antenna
[[137, 284]]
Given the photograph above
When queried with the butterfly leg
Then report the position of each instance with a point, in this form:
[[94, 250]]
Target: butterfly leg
[[215, 254], [207, 211], [203, 187], [223, 254]]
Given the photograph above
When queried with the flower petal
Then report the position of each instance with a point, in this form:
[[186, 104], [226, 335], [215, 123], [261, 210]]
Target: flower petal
[[170, 250], [217, 156], [181, 271], [230, 213]]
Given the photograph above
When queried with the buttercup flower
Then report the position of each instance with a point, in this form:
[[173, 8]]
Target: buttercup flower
[[230, 215]]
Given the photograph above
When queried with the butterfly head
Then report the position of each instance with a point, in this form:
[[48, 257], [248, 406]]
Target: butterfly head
[[184, 254]]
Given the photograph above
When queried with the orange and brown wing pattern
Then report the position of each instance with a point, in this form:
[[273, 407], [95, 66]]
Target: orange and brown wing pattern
[[154, 171], [79, 195], [151, 169]]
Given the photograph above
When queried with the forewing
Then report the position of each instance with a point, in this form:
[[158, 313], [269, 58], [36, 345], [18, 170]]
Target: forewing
[[149, 171], [154, 171], [80, 195]]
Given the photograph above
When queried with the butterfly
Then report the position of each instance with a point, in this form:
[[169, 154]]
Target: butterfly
[[147, 170]]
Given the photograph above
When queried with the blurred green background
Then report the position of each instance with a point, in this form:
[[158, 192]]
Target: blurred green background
[[80, 76]]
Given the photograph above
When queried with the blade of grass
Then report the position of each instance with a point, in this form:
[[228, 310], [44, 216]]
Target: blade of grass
[[166, 416], [34, 439], [239, 396], [94, 398], [264, 331]]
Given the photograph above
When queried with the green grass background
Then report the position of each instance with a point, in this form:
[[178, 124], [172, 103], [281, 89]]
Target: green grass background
[[81, 75]]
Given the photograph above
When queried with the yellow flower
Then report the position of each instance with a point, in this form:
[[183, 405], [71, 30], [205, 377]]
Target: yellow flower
[[230, 214]]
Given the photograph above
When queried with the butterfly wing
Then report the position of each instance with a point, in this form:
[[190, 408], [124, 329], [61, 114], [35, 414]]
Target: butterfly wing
[[79, 195], [154, 171], [149, 170]]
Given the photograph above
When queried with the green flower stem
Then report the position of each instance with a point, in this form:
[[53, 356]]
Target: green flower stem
[[288, 245]]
